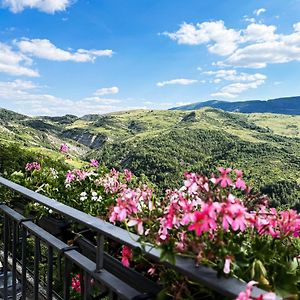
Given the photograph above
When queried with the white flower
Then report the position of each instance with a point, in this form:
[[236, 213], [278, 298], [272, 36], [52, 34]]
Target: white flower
[[83, 196]]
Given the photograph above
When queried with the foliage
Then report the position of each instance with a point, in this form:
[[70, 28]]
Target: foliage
[[218, 220]]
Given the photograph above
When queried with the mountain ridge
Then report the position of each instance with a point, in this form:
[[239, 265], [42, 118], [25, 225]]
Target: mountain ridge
[[284, 105]]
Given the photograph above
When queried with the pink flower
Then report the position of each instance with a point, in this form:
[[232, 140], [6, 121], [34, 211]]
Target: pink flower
[[227, 263], [70, 176], [94, 163], [64, 148], [204, 220], [128, 175], [33, 166], [76, 283], [151, 271], [246, 295], [81, 174], [139, 224], [224, 180], [126, 256], [240, 183]]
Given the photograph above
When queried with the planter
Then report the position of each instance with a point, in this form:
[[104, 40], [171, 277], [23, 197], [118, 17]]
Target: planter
[[130, 276], [57, 227]]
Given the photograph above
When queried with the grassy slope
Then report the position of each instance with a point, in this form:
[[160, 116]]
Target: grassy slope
[[163, 144]]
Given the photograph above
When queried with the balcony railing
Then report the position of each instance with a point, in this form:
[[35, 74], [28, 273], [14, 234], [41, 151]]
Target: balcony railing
[[22, 236]]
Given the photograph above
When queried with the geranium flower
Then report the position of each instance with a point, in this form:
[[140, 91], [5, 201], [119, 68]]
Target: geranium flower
[[224, 180], [64, 148], [240, 183], [126, 256], [94, 163]]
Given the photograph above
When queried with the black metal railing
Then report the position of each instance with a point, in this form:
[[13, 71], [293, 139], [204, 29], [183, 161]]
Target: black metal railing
[[22, 235]]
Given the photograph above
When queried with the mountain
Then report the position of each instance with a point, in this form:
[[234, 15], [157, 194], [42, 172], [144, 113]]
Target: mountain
[[289, 106], [164, 144]]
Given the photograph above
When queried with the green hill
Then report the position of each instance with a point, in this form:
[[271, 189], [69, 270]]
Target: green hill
[[164, 144]]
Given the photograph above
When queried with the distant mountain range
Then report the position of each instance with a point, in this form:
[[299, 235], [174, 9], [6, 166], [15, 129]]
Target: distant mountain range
[[287, 106]]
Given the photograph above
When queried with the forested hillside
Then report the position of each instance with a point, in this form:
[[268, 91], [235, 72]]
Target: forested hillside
[[164, 144]]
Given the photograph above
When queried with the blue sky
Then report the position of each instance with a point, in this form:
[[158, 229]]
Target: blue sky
[[97, 56]]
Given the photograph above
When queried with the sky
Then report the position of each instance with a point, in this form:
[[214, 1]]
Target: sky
[[80, 57]]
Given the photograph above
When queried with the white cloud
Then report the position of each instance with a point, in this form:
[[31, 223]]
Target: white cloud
[[234, 89], [233, 75], [219, 39], [22, 94], [48, 6], [248, 19], [259, 33], [102, 100], [181, 81], [107, 91], [241, 82], [15, 63], [182, 103], [43, 48], [256, 46], [259, 11]]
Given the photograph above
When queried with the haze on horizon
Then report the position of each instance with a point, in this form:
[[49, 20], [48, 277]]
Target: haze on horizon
[[81, 57]]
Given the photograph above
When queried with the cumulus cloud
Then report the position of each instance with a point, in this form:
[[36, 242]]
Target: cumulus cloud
[[259, 11], [107, 91], [219, 39], [23, 94], [234, 89], [43, 48], [256, 46], [181, 81], [47, 6], [15, 63], [241, 82]]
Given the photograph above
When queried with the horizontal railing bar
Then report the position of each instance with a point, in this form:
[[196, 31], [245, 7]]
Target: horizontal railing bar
[[227, 286], [116, 233], [105, 277]]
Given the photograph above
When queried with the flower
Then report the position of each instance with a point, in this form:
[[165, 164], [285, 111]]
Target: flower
[[64, 148], [70, 176], [76, 283], [227, 263], [126, 256], [240, 183], [139, 224], [83, 196], [224, 180], [204, 220], [128, 175], [33, 166], [94, 163], [246, 295]]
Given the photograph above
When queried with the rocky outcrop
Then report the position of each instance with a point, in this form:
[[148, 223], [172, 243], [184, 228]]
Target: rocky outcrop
[[40, 125], [91, 140]]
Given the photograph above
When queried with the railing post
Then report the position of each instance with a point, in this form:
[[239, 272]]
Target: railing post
[[5, 260], [14, 260], [24, 261], [50, 273], [36, 267], [100, 252]]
